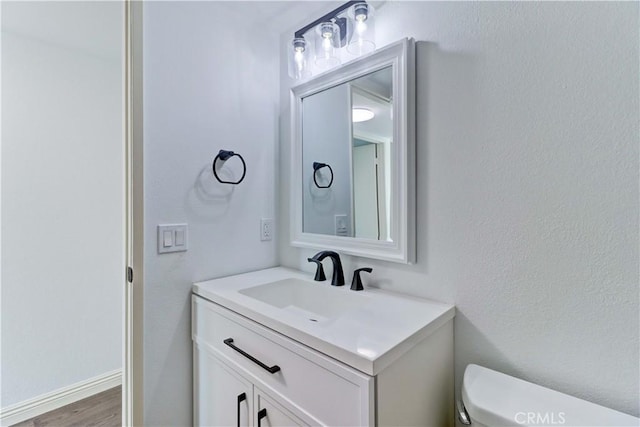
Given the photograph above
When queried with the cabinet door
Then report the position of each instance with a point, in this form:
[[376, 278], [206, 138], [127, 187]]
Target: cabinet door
[[221, 397], [270, 413]]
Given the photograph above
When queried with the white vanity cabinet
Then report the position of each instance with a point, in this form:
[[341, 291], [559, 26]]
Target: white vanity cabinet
[[308, 389], [252, 368]]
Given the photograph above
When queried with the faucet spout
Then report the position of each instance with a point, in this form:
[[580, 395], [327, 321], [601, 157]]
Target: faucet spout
[[337, 278]]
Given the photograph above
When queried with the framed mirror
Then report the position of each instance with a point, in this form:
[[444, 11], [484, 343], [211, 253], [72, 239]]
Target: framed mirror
[[353, 157]]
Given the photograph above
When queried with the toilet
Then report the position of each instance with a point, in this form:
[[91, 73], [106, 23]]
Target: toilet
[[492, 399]]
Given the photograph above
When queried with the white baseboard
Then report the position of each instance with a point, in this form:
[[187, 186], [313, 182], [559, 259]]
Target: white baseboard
[[58, 398]]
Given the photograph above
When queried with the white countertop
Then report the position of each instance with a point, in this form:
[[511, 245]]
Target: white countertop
[[368, 338]]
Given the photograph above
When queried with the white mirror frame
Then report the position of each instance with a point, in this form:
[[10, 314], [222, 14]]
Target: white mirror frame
[[401, 57]]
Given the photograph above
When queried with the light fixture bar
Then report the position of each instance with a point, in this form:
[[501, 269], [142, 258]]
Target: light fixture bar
[[349, 26], [328, 17]]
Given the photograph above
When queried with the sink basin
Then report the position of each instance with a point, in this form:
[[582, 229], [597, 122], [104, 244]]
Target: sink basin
[[366, 330], [315, 301]]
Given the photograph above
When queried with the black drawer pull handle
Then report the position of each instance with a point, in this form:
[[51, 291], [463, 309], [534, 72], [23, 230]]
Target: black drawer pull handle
[[261, 414], [273, 369], [241, 398]]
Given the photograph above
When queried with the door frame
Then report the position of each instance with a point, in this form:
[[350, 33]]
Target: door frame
[[132, 379]]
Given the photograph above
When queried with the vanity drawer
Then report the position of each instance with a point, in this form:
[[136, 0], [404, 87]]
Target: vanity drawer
[[321, 390]]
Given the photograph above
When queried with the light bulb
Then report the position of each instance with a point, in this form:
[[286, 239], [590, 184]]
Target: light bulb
[[361, 27], [326, 43], [299, 58]]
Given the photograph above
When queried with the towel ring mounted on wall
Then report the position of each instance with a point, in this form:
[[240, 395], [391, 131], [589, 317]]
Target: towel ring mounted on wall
[[225, 155], [316, 167]]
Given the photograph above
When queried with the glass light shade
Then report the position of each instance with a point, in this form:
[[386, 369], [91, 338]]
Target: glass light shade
[[298, 58], [327, 38], [362, 39]]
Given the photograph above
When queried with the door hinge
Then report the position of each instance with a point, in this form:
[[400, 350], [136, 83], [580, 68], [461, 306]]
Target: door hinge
[[129, 274]]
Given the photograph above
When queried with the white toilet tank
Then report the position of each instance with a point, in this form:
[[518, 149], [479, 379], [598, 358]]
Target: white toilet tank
[[494, 399]]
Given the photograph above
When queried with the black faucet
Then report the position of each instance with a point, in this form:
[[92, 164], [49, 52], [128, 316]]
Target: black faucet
[[338, 275], [356, 283]]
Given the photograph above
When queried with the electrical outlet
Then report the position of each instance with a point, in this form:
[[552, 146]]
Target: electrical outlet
[[266, 229], [341, 225]]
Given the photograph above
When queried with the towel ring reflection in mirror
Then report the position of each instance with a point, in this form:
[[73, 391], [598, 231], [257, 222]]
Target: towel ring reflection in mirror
[[316, 167]]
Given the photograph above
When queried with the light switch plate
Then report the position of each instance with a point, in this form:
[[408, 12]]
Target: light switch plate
[[172, 238]]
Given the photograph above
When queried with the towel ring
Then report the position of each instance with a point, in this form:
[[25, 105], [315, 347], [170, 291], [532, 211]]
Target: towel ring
[[225, 155], [316, 167]]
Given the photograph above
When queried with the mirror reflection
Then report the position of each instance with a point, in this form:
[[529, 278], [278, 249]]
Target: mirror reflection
[[347, 132]]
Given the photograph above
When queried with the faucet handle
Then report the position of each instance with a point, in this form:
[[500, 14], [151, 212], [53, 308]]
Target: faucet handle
[[356, 283], [319, 277]]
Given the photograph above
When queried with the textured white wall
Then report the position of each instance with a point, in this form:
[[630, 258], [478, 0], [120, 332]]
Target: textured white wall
[[527, 187], [62, 196], [210, 83]]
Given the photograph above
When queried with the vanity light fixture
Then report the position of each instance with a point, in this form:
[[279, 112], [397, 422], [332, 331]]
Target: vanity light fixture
[[350, 26], [361, 115]]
